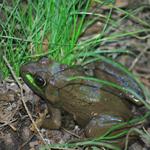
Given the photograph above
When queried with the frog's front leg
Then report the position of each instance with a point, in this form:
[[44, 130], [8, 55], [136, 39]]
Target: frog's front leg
[[54, 121], [99, 125]]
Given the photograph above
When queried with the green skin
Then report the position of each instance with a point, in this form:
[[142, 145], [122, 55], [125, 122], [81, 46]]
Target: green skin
[[94, 107]]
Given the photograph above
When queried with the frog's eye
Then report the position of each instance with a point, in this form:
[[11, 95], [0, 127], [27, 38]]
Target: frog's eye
[[39, 81]]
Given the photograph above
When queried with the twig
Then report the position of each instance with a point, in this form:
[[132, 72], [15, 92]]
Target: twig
[[7, 123], [143, 70], [146, 76], [137, 59], [70, 132], [21, 147], [142, 37], [22, 98]]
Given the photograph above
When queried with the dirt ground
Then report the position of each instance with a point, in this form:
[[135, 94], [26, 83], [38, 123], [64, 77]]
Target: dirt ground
[[15, 124]]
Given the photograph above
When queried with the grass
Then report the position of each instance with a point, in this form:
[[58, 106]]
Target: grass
[[52, 28], [38, 28]]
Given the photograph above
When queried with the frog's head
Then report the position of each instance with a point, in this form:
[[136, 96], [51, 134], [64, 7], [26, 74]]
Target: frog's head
[[41, 75]]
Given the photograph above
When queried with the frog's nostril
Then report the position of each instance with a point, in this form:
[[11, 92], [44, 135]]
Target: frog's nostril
[[23, 68]]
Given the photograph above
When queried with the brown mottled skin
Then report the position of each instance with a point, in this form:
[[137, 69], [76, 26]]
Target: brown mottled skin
[[94, 107]]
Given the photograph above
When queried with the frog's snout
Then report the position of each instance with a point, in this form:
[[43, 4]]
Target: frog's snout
[[25, 69], [22, 70]]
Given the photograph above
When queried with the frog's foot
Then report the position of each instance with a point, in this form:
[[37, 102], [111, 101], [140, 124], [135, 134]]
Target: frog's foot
[[39, 121], [100, 124], [54, 120]]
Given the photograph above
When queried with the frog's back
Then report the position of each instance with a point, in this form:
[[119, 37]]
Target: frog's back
[[109, 72], [86, 102]]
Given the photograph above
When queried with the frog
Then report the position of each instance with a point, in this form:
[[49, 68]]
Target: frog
[[95, 107]]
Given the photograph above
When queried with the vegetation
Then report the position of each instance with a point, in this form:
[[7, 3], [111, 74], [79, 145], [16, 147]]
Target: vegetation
[[53, 28], [39, 28]]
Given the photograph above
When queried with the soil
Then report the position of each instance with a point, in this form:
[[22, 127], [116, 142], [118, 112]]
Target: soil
[[16, 132]]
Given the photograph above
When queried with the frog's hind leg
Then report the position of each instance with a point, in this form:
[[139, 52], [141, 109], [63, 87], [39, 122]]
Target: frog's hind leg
[[99, 125]]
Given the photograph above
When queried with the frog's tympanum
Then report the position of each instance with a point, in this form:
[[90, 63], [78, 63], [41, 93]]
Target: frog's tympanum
[[94, 107]]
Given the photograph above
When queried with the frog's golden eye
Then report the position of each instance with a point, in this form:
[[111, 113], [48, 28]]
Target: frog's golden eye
[[39, 81]]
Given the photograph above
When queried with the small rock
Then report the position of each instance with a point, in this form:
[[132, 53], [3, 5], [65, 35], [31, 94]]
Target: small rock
[[26, 133], [135, 146]]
